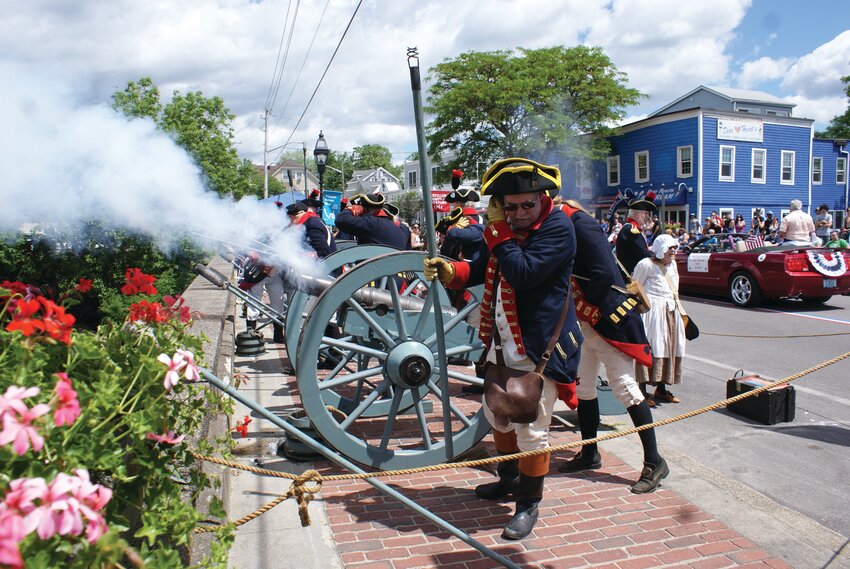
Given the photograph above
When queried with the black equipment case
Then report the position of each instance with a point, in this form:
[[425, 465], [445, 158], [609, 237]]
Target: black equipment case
[[768, 407]]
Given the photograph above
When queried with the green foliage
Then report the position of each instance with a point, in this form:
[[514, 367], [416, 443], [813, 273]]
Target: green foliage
[[528, 102], [371, 156], [51, 263], [839, 126], [202, 126], [409, 206], [119, 384]]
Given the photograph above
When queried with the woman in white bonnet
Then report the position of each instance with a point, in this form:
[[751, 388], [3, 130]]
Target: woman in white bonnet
[[665, 328]]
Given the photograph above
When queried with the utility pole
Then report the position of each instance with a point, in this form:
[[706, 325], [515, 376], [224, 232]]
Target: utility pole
[[266, 154]]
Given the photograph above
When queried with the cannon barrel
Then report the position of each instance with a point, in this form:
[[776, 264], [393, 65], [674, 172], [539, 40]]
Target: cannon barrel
[[369, 296]]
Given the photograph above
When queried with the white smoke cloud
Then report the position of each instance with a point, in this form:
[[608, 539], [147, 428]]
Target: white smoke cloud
[[64, 164]]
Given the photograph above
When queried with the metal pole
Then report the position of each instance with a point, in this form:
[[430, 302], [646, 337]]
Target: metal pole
[[304, 146], [350, 466], [424, 172], [266, 156]]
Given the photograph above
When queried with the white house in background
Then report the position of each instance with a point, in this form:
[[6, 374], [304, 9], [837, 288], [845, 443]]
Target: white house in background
[[374, 180], [291, 174]]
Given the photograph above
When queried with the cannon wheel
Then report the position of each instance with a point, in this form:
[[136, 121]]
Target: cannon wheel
[[405, 365], [299, 301]]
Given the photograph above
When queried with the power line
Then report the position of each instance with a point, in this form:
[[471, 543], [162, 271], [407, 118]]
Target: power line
[[322, 78], [277, 57], [285, 54], [309, 49]]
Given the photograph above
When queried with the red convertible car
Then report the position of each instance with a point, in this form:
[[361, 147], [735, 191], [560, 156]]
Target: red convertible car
[[723, 265]]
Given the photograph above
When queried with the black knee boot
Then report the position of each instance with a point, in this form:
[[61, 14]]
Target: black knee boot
[[278, 333], [251, 324], [506, 484], [588, 457], [529, 492]]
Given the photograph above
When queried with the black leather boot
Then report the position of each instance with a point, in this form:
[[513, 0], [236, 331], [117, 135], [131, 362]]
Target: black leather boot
[[529, 492], [278, 333], [508, 476], [251, 324]]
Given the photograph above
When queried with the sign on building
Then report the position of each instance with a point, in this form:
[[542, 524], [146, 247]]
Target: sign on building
[[737, 129], [438, 200]]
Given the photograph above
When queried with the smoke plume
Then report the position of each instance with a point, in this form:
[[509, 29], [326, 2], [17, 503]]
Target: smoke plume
[[63, 163]]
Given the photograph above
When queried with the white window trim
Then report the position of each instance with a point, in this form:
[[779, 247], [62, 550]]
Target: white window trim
[[782, 167], [820, 170], [616, 160], [720, 176], [842, 170], [638, 179], [679, 173], [763, 179]]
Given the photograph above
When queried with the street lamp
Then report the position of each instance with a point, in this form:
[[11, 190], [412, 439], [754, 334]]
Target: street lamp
[[320, 152]]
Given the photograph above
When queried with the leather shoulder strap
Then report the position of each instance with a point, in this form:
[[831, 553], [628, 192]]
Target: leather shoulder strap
[[544, 358]]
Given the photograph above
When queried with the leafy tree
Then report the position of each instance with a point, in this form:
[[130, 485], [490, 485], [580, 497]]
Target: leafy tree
[[343, 162], [371, 156], [139, 99], [528, 102], [409, 206], [839, 126]]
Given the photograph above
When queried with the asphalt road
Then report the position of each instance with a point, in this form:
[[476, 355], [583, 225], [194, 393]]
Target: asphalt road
[[805, 464]]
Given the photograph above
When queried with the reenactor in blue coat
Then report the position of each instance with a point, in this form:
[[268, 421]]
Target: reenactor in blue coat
[[631, 241], [525, 267], [366, 219], [614, 337], [318, 235], [462, 227]]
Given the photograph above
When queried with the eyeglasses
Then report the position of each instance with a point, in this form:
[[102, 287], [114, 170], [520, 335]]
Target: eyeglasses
[[523, 205]]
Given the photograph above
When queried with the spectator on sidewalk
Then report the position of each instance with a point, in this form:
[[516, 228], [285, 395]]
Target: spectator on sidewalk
[[823, 223], [835, 242], [797, 228]]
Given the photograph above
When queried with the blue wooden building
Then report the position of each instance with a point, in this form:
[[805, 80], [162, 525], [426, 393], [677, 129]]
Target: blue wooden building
[[718, 149]]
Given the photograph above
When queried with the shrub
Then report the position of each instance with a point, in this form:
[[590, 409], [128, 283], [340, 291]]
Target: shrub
[[95, 471]]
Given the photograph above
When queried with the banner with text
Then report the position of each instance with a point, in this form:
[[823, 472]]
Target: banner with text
[[737, 129]]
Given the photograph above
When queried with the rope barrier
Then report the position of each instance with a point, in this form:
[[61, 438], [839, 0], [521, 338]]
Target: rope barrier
[[304, 494], [790, 336]]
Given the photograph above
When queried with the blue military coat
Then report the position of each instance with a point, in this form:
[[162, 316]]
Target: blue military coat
[[374, 229]]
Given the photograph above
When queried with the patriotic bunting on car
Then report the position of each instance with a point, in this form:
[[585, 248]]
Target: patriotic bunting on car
[[828, 264]]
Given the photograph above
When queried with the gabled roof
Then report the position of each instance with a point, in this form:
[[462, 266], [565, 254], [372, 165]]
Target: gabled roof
[[731, 95]]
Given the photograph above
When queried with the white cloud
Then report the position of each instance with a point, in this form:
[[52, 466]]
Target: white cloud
[[818, 74], [753, 73], [822, 110]]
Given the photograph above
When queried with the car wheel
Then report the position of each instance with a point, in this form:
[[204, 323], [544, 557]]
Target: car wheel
[[816, 299], [744, 290]]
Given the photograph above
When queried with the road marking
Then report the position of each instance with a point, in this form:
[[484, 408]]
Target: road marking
[[797, 387], [822, 318]]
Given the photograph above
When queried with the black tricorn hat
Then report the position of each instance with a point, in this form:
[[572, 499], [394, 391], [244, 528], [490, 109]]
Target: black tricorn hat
[[296, 207], [646, 203], [391, 209], [463, 195], [519, 176], [374, 199]]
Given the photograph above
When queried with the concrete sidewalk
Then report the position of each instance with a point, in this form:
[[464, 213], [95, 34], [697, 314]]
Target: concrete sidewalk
[[698, 518]]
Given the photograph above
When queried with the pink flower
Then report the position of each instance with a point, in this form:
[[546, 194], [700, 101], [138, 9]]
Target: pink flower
[[13, 399], [68, 406], [11, 533], [167, 438], [192, 372], [175, 365], [91, 498], [17, 421]]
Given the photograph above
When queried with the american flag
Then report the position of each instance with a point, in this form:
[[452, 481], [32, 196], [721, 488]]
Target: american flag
[[753, 242]]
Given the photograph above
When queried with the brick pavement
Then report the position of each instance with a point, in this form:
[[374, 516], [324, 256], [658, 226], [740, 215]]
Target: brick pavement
[[589, 519]]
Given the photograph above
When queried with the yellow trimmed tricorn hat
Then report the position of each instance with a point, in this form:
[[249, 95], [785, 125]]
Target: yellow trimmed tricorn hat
[[375, 199], [519, 176], [646, 203], [391, 209]]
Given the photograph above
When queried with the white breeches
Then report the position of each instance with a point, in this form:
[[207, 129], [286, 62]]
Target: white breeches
[[619, 368]]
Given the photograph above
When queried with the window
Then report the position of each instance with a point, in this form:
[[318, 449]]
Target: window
[[433, 174], [817, 169], [727, 163], [613, 170], [675, 217], [411, 180], [642, 166], [840, 170], [759, 160], [686, 161], [582, 169], [787, 167]]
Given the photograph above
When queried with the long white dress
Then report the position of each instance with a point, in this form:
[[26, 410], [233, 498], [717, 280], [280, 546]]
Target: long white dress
[[664, 326]]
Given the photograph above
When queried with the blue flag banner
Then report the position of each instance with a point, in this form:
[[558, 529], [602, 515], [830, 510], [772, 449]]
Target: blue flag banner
[[332, 201]]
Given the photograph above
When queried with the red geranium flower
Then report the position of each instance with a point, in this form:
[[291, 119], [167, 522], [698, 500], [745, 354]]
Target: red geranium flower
[[151, 312], [22, 317], [178, 308], [138, 282], [56, 323], [242, 427], [85, 285]]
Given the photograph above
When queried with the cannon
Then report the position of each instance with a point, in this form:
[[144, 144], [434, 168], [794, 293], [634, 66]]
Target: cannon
[[381, 403]]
